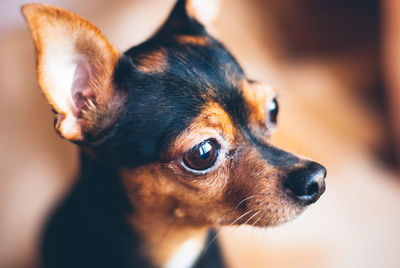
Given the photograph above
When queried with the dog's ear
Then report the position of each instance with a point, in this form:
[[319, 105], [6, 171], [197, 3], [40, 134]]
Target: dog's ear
[[191, 16], [75, 65]]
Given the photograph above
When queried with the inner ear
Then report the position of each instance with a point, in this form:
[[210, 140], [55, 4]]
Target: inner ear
[[81, 93]]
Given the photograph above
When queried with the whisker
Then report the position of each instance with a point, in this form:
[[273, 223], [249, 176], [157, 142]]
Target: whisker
[[262, 216], [252, 216], [218, 232], [241, 202], [241, 216], [244, 200]]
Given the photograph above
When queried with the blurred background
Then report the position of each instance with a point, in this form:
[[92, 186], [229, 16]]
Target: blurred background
[[336, 66]]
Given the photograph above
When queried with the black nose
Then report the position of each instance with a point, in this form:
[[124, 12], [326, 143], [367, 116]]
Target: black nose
[[306, 184]]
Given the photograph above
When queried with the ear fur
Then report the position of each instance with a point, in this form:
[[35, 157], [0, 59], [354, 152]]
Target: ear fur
[[191, 17], [75, 65]]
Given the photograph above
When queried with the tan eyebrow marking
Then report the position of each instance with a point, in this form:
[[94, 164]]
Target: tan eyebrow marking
[[256, 96], [191, 39], [213, 120], [154, 62]]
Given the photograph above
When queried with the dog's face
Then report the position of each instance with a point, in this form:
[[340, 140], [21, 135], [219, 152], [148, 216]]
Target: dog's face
[[187, 130]]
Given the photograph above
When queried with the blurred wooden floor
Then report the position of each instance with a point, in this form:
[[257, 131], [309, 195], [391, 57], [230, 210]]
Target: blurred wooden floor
[[355, 223]]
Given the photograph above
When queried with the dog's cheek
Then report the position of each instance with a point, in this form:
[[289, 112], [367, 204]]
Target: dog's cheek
[[203, 203], [157, 188]]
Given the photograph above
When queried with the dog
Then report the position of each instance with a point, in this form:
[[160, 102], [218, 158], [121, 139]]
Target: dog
[[174, 140]]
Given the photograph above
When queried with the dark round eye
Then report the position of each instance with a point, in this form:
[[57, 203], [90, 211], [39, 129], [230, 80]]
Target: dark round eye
[[202, 156], [272, 112]]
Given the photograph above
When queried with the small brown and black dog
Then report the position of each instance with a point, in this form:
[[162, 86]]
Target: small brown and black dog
[[174, 140]]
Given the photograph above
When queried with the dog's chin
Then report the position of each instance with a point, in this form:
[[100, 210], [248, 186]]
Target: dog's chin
[[281, 214], [288, 215]]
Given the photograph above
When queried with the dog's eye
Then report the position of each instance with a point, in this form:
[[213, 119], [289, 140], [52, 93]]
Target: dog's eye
[[202, 156], [272, 112]]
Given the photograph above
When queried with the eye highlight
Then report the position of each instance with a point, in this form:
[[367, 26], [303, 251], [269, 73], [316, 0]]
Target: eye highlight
[[202, 156], [272, 112]]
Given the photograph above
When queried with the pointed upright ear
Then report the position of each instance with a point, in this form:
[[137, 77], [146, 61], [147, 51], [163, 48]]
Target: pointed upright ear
[[75, 65], [191, 16]]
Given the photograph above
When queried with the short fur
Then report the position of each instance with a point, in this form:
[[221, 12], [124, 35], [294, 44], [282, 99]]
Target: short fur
[[135, 203]]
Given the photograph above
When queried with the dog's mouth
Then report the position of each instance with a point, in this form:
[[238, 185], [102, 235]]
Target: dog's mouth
[[266, 217], [273, 215], [273, 209]]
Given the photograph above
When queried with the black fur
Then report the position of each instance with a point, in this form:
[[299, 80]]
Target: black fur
[[161, 105], [88, 229]]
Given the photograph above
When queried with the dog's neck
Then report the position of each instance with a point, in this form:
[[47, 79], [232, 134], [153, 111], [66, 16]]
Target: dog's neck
[[159, 235]]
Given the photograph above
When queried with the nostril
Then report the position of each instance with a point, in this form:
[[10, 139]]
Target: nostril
[[295, 187], [306, 184], [312, 189]]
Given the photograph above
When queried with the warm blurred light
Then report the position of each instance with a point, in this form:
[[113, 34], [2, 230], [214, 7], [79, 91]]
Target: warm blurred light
[[322, 56]]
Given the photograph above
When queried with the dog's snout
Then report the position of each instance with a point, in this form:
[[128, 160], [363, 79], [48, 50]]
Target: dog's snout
[[306, 184]]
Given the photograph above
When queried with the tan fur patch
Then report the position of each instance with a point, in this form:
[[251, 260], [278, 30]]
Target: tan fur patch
[[212, 121], [194, 40], [155, 62], [161, 215], [257, 95]]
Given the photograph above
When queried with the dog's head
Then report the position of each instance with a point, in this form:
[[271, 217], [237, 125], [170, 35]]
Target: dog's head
[[176, 115]]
